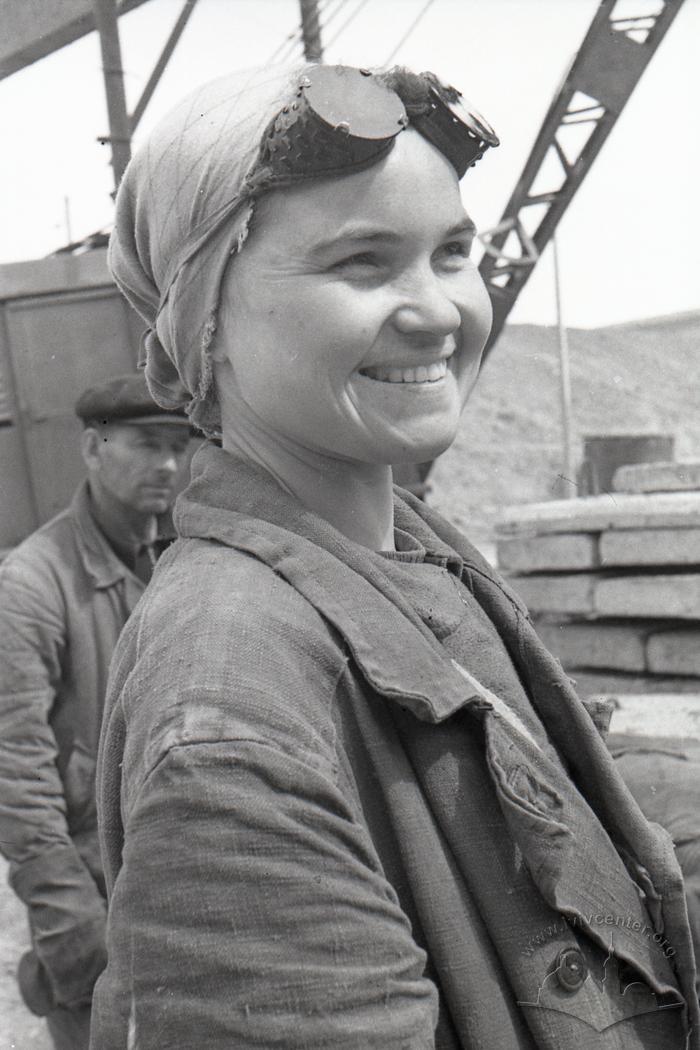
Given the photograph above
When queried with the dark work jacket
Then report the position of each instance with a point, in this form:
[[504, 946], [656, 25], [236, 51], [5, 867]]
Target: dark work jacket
[[64, 598], [283, 813]]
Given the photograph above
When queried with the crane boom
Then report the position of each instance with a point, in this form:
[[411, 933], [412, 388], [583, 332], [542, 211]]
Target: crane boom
[[614, 54]]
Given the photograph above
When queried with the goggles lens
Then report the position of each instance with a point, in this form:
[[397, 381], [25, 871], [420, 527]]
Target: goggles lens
[[344, 119], [354, 102]]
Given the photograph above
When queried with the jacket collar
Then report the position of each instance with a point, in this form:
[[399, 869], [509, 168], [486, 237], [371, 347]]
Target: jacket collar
[[646, 848], [235, 503], [99, 560]]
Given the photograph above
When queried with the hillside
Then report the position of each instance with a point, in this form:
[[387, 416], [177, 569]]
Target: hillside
[[641, 377]]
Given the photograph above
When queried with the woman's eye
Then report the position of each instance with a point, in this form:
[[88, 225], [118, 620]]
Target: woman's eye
[[360, 259], [456, 249]]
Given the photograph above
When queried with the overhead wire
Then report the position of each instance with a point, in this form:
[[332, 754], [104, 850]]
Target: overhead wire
[[332, 8], [297, 45], [408, 32], [346, 23], [284, 51], [329, 15], [287, 46]]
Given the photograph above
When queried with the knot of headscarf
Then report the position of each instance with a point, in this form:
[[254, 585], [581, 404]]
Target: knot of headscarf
[[183, 210]]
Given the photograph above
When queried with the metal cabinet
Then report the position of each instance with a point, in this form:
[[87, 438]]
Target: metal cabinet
[[63, 326]]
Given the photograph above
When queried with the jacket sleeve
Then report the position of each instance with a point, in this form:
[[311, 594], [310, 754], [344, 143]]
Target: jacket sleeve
[[66, 910], [251, 910]]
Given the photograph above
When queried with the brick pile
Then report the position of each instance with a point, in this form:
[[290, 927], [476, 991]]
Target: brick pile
[[613, 581]]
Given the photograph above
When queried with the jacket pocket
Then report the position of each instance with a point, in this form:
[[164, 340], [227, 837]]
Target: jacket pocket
[[600, 991]]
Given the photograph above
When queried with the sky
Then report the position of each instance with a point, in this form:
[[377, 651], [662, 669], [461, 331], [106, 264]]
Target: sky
[[629, 245]]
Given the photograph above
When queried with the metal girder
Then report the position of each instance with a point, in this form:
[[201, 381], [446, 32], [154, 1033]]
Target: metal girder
[[33, 29], [121, 126], [614, 54], [311, 30], [158, 69], [36, 28], [105, 13]]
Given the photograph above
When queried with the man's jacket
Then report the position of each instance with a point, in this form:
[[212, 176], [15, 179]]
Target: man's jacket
[[64, 598], [298, 791]]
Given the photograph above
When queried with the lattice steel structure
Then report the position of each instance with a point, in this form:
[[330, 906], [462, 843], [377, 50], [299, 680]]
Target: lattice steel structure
[[615, 52]]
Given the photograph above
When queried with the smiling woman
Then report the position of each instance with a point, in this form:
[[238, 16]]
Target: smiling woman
[[400, 321], [342, 784]]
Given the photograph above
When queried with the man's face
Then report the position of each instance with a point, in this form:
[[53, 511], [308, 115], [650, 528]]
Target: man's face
[[137, 464]]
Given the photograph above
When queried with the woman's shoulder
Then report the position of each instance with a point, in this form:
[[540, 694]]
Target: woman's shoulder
[[214, 605], [222, 647], [204, 581]]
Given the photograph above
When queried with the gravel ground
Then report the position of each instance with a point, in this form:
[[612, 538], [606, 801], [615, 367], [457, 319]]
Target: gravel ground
[[19, 1030]]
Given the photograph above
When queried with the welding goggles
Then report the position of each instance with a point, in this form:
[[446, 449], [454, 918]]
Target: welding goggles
[[344, 119]]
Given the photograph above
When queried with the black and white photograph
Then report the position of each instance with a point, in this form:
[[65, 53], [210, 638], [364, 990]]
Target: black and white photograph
[[349, 525]]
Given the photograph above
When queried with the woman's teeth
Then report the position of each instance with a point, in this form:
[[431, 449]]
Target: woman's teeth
[[421, 374]]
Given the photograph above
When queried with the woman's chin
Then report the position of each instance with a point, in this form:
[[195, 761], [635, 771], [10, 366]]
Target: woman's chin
[[421, 454], [416, 444], [406, 425]]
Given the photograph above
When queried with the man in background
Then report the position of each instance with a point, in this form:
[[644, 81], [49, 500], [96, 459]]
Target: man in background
[[65, 594]]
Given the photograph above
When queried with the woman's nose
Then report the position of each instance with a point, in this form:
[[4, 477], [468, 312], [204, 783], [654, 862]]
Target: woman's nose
[[427, 308]]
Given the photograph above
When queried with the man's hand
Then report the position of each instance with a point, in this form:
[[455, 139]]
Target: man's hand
[[67, 917]]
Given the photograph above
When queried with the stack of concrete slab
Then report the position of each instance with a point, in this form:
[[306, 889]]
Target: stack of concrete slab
[[613, 581]]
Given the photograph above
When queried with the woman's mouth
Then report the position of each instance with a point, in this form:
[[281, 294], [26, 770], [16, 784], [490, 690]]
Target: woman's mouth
[[421, 374]]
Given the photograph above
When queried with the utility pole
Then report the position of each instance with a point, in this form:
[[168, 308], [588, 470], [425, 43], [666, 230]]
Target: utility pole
[[564, 380], [119, 123], [311, 31], [66, 216]]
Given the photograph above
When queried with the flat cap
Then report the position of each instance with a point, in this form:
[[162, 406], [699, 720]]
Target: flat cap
[[124, 399]]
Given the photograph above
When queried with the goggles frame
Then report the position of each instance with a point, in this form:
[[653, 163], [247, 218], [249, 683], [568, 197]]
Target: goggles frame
[[456, 129], [344, 119]]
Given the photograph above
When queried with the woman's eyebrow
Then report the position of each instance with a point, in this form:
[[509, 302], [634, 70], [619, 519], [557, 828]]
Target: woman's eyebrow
[[350, 233], [355, 233]]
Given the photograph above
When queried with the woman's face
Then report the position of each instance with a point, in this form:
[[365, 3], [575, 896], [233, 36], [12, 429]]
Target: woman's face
[[354, 320]]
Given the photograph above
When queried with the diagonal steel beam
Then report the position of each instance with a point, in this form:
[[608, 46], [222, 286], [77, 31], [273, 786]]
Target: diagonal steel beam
[[158, 69], [33, 29], [614, 54]]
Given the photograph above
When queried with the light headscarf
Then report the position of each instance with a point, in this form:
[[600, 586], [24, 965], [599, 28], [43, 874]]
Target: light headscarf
[[183, 210]]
